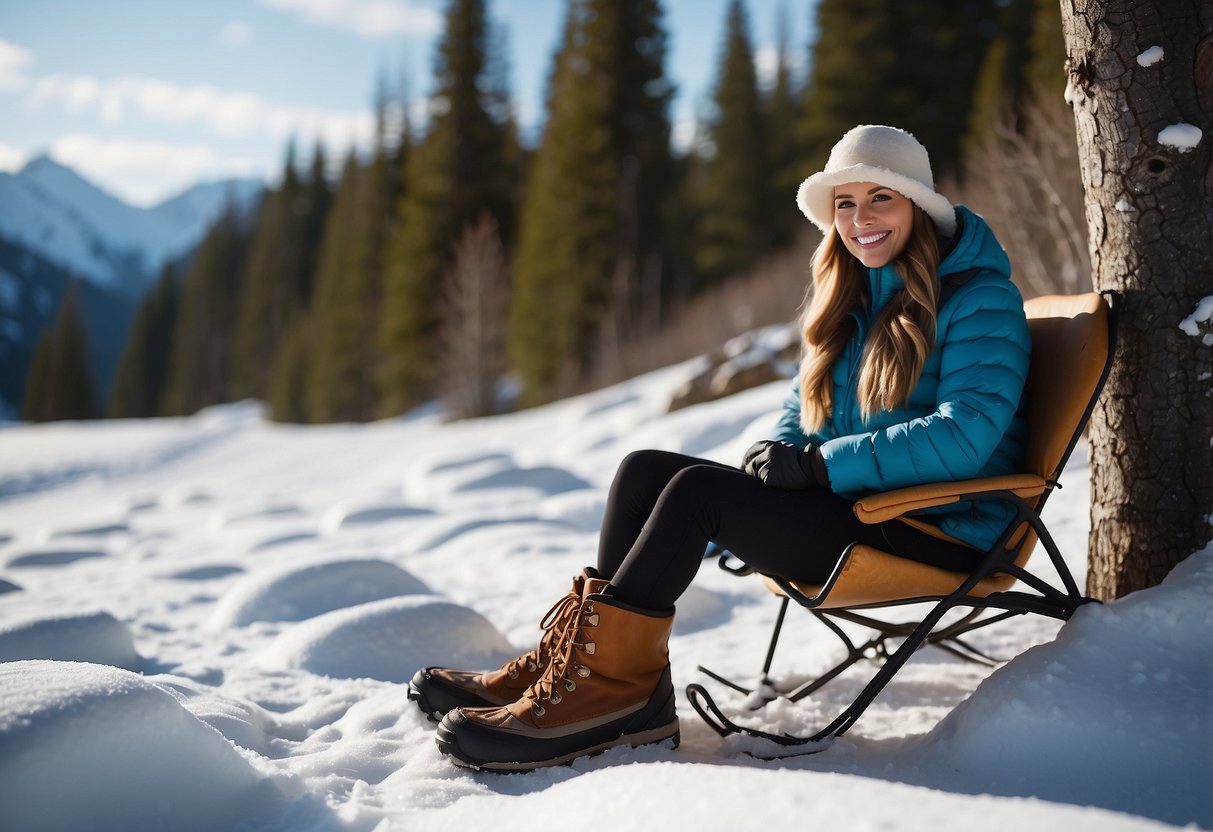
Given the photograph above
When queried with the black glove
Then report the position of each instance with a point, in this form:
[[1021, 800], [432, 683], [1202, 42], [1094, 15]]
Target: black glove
[[784, 465], [747, 462]]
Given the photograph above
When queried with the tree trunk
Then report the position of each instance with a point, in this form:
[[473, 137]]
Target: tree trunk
[[1148, 185]]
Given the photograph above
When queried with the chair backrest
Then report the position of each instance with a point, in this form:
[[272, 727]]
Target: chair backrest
[[1072, 342]]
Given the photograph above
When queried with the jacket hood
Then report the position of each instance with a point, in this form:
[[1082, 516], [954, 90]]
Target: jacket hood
[[973, 247]]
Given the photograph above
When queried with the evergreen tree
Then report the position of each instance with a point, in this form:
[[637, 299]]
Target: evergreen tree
[[347, 295], [274, 283], [59, 384], [783, 155], [200, 368], [592, 224], [318, 199], [144, 365], [1000, 91], [287, 395], [911, 65], [731, 195], [1045, 67], [458, 173]]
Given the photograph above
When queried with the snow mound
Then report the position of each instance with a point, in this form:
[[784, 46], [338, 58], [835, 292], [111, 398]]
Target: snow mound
[[1064, 721], [296, 593], [244, 723], [89, 637], [89, 747], [54, 557], [204, 573], [101, 530], [546, 479], [359, 513], [389, 640]]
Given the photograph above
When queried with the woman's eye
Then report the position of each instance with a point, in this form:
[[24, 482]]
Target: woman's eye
[[881, 198], [844, 203]]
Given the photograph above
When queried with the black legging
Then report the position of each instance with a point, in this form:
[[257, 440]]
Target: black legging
[[664, 508]]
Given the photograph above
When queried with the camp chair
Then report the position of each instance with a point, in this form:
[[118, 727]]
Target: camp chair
[[1073, 338]]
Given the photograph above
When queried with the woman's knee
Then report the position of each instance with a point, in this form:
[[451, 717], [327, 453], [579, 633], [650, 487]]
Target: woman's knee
[[695, 485], [649, 467]]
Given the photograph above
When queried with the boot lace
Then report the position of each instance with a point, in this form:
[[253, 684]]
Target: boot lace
[[554, 622], [558, 677]]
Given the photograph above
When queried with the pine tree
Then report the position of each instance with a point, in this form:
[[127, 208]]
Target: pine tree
[[591, 230], [348, 293], [731, 195], [1000, 91], [200, 369], [783, 153], [59, 384], [143, 368], [1045, 75], [911, 65], [272, 285], [318, 199], [287, 395], [460, 172]]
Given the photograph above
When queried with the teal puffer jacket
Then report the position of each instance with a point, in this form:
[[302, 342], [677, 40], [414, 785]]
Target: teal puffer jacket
[[964, 418]]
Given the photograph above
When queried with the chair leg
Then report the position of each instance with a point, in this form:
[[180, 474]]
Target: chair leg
[[706, 707], [764, 688]]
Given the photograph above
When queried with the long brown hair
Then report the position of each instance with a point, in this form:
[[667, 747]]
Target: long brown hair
[[902, 336]]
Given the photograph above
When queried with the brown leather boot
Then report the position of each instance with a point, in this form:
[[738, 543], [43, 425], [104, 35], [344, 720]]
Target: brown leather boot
[[437, 690], [608, 685]]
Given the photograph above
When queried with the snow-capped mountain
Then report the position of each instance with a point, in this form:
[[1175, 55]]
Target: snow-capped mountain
[[56, 213]]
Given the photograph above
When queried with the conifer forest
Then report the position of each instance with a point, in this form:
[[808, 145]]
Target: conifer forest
[[456, 261]]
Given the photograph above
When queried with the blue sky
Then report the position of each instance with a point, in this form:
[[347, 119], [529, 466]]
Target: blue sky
[[146, 97]]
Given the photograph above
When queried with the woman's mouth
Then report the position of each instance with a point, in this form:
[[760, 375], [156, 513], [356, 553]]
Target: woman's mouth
[[872, 240]]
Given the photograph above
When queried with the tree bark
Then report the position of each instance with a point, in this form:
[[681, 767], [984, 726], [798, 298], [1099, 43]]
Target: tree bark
[[1150, 222]]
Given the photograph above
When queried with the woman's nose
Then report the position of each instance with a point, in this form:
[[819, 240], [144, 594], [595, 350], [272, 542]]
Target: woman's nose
[[862, 215]]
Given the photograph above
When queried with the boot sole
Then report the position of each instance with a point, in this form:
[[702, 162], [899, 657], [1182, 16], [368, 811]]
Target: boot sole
[[449, 747]]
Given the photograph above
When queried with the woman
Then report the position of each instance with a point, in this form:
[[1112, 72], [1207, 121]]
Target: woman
[[915, 354]]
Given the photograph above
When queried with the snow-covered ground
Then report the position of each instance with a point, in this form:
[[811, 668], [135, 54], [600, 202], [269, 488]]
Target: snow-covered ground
[[206, 623]]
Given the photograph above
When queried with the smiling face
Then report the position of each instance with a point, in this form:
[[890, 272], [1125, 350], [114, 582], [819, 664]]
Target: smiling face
[[873, 221]]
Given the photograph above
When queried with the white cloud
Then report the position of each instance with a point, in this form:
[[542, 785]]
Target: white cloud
[[13, 60], [230, 114], [12, 159], [369, 18], [236, 34], [145, 172]]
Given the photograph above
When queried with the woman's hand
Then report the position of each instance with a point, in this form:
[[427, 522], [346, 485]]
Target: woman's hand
[[784, 465]]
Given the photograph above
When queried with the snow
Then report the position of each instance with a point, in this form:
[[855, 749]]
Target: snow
[[206, 623], [1202, 314], [1150, 57], [1182, 137], [122, 751]]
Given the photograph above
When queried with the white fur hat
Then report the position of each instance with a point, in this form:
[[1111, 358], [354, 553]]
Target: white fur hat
[[884, 155]]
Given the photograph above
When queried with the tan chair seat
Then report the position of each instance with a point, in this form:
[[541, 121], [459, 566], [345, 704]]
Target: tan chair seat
[[872, 577]]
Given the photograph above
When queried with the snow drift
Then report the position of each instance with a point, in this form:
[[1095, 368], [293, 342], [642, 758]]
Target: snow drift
[[93, 747]]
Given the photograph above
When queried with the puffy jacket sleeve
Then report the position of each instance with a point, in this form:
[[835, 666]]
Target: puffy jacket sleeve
[[984, 352]]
